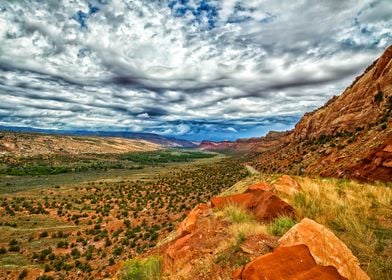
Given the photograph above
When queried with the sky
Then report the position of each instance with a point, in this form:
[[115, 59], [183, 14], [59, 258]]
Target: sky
[[191, 69]]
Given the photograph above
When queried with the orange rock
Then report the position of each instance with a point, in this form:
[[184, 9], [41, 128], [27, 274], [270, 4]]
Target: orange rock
[[387, 164], [325, 248], [239, 199], [267, 206], [180, 245], [188, 225], [288, 263], [264, 204], [237, 274], [261, 186], [388, 149], [287, 184]]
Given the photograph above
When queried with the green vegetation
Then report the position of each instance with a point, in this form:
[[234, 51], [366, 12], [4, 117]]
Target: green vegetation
[[281, 225], [58, 164], [166, 156], [148, 269], [236, 214], [379, 96]]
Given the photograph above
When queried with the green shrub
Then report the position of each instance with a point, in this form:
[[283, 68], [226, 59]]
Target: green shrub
[[23, 274], [379, 97], [281, 225], [148, 269]]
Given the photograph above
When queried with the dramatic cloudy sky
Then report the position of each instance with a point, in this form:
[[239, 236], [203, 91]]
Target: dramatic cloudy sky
[[193, 69]]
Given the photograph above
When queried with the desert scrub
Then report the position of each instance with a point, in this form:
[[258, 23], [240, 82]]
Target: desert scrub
[[148, 269], [280, 225]]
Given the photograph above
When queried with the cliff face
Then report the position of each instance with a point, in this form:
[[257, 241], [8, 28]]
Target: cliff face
[[350, 136], [360, 105]]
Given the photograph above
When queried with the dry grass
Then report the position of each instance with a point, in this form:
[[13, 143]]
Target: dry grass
[[243, 185], [241, 221], [359, 214]]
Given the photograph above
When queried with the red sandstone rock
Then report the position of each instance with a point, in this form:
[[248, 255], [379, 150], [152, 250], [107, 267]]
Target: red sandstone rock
[[325, 248], [388, 149], [239, 199], [267, 206], [263, 204], [287, 184], [260, 186], [288, 263], [188, 225]]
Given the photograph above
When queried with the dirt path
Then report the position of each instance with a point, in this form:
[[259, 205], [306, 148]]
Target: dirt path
[[252, 170], [40, 228]]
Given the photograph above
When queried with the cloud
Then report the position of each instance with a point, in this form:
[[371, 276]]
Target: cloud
[[194, 69]]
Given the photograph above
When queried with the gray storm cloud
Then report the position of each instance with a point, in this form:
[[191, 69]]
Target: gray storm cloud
[[181, 69]]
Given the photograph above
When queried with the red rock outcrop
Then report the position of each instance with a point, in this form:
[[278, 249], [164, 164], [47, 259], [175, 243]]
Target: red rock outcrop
[[178, 253], [325, 248], [242, 199], [356, 107], [287, 184], [261, 186], [263, 204], [289, 263], [188, 225]]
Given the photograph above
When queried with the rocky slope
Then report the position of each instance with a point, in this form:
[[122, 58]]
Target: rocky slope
[[233, 236], [33, 144], [350, 136]]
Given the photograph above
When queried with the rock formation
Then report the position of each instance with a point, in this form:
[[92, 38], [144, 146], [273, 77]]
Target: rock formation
[[289, 263], [263, 204], [325, 248]]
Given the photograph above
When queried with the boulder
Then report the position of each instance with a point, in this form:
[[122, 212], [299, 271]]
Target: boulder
[[325, 248], [388, 149], [188, 225], [287, 184], [242, 199], [260, 186], [266, 206], [289, 263], [263, 204], [387, 164]]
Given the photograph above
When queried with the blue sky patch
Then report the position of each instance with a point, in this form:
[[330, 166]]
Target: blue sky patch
[[204, 10]]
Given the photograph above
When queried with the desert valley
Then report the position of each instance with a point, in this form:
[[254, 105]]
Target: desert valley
[[77, 207], [195, 140]]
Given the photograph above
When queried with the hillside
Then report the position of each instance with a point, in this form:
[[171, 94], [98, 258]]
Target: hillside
[[350, 136], [150, 137], [277, 227], [33, 144]]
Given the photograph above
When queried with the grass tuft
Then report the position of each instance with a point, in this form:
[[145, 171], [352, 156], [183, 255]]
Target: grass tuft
[[236, 214], [148, 269], [281, 225]]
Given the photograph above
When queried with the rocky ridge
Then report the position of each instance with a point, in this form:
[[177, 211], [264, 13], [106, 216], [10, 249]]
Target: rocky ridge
[[307, 251]]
